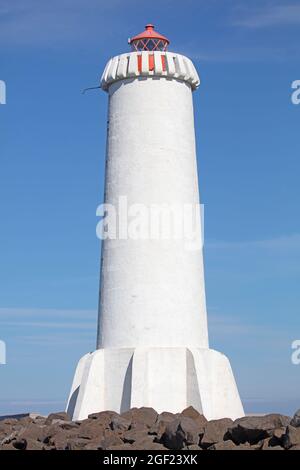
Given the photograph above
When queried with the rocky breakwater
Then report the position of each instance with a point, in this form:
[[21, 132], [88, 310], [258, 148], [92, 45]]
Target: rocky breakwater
[[145, 429]]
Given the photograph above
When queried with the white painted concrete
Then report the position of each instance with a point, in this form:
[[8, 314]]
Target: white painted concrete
[[126, 66], [152, 291], [152, 338], [163, 378]]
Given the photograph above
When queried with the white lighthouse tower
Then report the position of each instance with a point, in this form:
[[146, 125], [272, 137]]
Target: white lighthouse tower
[[152, 347]]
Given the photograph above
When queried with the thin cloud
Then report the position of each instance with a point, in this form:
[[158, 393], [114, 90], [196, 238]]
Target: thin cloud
[[18, 313], [283, 243], [60, 325], [271, 15], [237, 54], [39, 23]]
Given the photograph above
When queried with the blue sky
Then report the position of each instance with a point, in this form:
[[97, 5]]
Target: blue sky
[[52, 172]]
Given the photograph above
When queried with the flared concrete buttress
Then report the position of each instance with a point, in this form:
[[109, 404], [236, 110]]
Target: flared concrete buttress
[[152, 336], [163, 378]]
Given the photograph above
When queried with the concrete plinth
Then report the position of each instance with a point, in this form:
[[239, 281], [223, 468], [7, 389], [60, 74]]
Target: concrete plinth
[[167, 379]]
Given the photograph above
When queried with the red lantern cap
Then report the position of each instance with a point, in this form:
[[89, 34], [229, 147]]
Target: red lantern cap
[[149, 40]]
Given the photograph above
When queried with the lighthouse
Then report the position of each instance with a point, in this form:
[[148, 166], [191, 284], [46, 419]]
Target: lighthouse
[[152, 343]]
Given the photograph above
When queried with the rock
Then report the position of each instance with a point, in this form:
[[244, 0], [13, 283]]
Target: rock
[[5, 431], [94, 444], [20, 444], [33, 432], [243, 447], [25, 421], [265, 444], [104, 417], [7, 447], [9, 438], [296, 420], [138, 426], [110, 439], [50, 431], [274, 448], [229, 445], [147, 444], [59, 441], [119, 423], [39, 420], [254, 428], [291, 437], [180, 432], [215, 431], [144, 429], [194, 447], [32, 444], [9, 422], [161, 423], [167, 416], [57, 416], [133, 435], [158, 428], [190, 412], [92, 430], [60, 438], [223, 445], [146, 416], [76, 444], [67, 424], [120, 447], [277, 437]]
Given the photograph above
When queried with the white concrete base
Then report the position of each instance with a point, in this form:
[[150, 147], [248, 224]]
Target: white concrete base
[[167, 379]]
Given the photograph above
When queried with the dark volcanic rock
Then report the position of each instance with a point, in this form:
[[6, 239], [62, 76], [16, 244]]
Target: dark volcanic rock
[[110, 439], [254, 428], [215, 431], [291, 437], [167, 416], [144, 415], [159, 427], [223, 445], [144, 429], [133, 435], [61, 416], [296, 420], [33, 431], [103, 417], [190, 412], [277, 437], [7, 447], [229, 445], [181, 432], [120, 447], [94, 444], [147, 443], [20, 444], [60, 440], [119, 423], [76, 444], [92, 430], [32, 444]]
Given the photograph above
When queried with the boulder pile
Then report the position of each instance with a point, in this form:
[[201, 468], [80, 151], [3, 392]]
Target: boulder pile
[[145, 429]]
